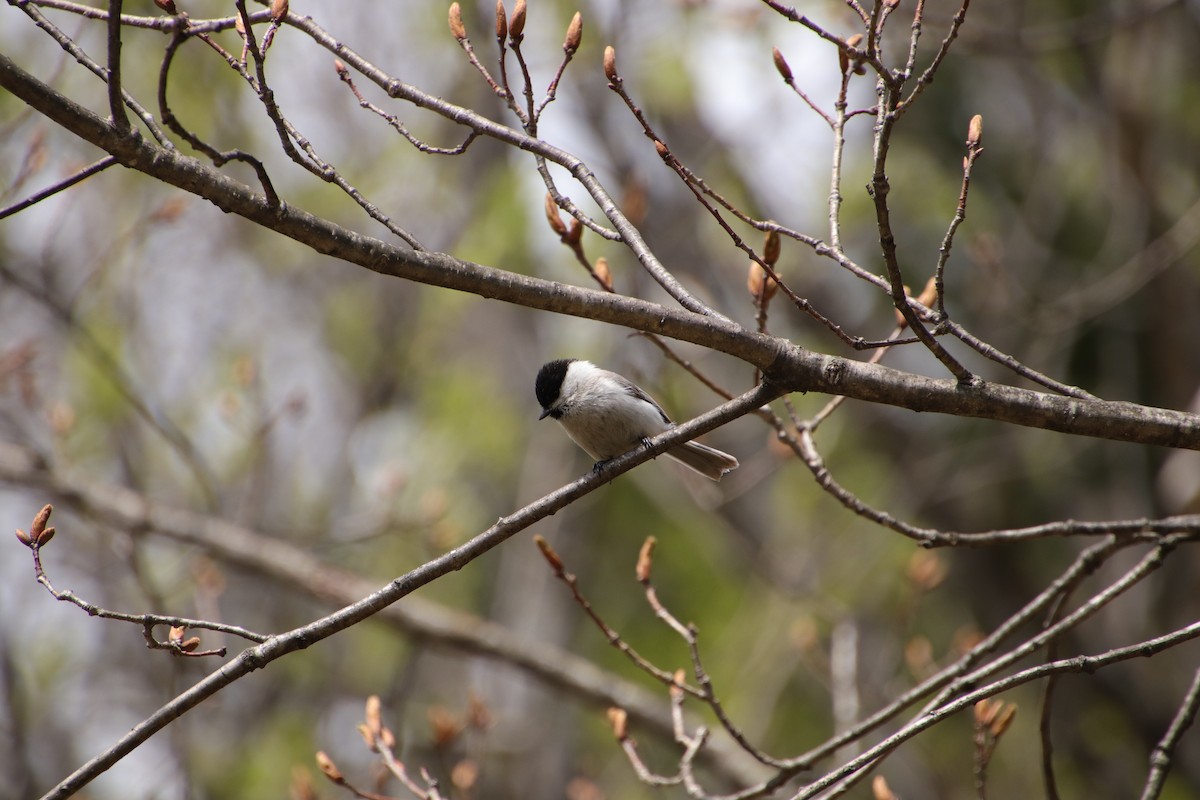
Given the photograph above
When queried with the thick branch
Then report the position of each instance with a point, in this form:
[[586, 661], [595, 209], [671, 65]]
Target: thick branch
[[788, 366]]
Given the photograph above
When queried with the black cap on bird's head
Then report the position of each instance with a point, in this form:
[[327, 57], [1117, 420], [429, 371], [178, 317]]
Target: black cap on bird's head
[[549, 384]]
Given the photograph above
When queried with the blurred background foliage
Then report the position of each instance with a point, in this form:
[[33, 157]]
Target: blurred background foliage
[[152, 342]]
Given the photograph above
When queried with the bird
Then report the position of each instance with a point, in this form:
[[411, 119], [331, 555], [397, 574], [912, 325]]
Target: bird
[[607, 415]]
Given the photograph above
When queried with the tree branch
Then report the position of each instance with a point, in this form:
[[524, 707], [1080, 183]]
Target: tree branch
[[787, 366]]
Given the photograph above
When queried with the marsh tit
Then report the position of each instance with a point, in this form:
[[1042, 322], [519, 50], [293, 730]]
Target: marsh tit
[[607, 415]]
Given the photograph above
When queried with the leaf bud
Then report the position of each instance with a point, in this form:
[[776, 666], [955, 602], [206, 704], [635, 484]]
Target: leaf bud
[[387, 738], [548, 553], [279, 9], [575, 233], [985, 712], [781, 66], [928, 295], [368, 737], [457, 29], [40, 520], [900, 320], [516, 28], [645, 560], [574, 34], [1001, 723], [618, 719], [975, 131], [678, 680], [374, 714], [326, 765], [552, 217], [603, 273], [771, 247], [610, 64], [759, 283], [501, 21]]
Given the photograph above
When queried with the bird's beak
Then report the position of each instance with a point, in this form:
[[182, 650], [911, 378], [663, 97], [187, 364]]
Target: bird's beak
[[545, 413]]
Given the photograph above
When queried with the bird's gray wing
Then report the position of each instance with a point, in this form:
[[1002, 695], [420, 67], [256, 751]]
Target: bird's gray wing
[[633, 390]]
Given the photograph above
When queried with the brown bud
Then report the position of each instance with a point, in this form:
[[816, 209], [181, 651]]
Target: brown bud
[[387, 738], [603, 273], [548, 552], [556, 223], [40, 520], [24, 538], [928, 295], [190, 645], [279, 9], [900, 320], [985, 712], [175, 636], [1001, 723], [926, 569], [167, 6], [610, 65], [374, 714], [880, 789], [892, 3], [781, 65], [326, 765], [645, 560], [464, 774], [662, 150], [575, 233], [368, 736], [678, 681], [501, 21], [446, 727], [340, 68], [457, 29], [617, 718], [975, 131], [239, 26], [854, 41], [759, 283], [516, 28], [771, 247], [574, 34], [46, 536]]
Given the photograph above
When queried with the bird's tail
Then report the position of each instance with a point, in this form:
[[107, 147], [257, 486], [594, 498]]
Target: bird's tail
[[708, 461]]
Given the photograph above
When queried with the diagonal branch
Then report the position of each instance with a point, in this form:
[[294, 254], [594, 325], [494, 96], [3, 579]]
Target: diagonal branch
[[305, 636]]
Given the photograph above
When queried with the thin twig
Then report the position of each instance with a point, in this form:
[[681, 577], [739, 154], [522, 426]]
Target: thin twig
[[65, 183], [1164, 751]]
